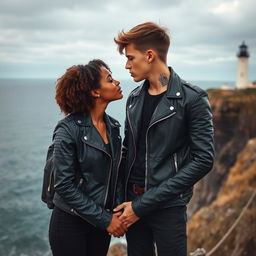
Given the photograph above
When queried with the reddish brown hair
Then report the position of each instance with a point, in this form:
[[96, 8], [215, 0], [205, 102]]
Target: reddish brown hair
[[145, 36], [73, 89]]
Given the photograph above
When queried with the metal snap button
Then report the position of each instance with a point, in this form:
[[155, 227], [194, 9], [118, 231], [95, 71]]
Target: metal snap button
[[177, 93], [171, 107], [85, 137], [79, 121]]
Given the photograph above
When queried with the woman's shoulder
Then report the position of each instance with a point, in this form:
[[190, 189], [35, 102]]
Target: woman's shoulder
[[71, 124], [113, 121]]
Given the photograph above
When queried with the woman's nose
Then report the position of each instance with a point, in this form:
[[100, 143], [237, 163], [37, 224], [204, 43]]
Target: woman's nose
[[117, 82]]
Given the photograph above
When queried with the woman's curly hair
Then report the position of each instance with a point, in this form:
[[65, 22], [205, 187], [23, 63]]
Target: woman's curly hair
[[73, 89]]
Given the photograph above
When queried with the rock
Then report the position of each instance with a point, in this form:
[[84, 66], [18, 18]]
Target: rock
[[234, 116], [117, 249], [210, 223]]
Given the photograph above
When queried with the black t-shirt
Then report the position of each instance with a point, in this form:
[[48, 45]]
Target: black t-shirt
[[138, 170]]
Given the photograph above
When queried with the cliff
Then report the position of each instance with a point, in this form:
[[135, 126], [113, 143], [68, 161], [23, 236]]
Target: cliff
[[234, 116], [219, 197], [210, 223]]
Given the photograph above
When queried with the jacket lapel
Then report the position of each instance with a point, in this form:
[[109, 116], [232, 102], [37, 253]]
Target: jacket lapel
[[134, 109], [167, 105]]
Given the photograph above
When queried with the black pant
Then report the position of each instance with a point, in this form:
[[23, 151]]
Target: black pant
[[163, 230], [72, 236]]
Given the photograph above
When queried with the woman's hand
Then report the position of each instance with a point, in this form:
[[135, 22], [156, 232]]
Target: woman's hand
[[116, 227]]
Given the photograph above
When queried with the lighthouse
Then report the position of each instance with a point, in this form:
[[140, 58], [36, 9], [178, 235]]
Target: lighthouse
[[242, 67]]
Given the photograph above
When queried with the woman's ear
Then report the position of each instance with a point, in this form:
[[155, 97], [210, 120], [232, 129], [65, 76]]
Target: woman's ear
[[95, 93]]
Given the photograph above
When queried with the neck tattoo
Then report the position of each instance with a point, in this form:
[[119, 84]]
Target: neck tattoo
[[163, 79]]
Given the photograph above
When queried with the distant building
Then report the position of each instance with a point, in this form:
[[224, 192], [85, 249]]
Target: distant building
[[225, 86], [242, 67]]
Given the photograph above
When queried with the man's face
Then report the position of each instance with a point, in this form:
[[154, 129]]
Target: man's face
[[137, 63]]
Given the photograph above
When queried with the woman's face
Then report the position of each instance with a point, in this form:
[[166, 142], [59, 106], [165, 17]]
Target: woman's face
[[109, 88]]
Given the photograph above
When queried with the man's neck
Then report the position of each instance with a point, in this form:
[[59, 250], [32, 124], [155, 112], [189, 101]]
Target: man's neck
[[158, 79]]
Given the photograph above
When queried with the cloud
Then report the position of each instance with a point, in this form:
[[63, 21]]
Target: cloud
[[63, 33]]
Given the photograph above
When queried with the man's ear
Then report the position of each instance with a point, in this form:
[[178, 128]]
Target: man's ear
[[151, 55], [95, 93]]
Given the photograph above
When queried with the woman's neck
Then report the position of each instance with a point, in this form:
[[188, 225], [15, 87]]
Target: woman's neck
[[97, 113]]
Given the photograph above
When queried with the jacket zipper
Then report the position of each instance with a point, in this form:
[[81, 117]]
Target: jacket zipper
[[80, 182], [117, 172], [109, 175], [175, 162], [146, 157], [50, 181], [126, 184], [76, 213]]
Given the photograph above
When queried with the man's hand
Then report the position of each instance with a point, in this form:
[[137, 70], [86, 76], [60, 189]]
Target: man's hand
[[116, 227], [128, 217]]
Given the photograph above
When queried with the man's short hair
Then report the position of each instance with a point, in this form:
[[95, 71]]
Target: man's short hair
[[145, 36]]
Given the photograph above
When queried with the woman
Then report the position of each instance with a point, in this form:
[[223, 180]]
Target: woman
[[86, 154]]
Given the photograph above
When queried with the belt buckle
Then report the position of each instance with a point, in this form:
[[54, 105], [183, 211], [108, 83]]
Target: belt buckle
[[137, 190]]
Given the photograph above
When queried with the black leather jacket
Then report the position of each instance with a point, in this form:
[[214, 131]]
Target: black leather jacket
[[179, 144], [83, 168]]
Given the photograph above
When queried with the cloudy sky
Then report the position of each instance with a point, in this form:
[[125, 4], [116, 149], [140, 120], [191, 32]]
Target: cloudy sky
[[40, 39]]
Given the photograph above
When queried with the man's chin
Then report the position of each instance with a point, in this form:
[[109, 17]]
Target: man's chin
[[135, 79]]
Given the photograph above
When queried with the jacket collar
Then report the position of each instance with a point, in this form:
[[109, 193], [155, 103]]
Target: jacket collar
[[91, 136], [85, 120], [165, 108], [174, 89]]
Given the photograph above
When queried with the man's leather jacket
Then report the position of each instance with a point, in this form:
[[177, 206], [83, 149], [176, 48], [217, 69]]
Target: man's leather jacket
[[179, 144], [83, 168]]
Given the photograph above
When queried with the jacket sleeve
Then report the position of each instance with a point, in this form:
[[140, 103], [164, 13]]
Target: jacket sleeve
[[200, 128], [65, 168]]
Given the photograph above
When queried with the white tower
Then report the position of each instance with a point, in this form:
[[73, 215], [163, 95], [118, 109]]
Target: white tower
[[242, 67]]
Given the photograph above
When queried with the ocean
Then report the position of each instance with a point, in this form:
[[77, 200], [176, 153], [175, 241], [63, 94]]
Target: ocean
[[28, 116]]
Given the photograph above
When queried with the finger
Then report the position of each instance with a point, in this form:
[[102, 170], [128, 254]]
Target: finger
[[122, 218], [128, 225], [119, 207], [124, 227], [117, 214]]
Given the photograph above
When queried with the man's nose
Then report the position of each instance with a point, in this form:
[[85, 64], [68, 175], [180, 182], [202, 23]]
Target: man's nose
[[127, 65]]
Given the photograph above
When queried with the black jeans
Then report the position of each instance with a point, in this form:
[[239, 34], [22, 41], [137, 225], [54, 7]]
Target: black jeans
[[163, 230], [72, 236]]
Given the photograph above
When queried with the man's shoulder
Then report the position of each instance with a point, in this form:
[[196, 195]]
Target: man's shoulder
[[192, 90]]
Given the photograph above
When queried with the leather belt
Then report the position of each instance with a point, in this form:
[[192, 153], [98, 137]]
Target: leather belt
[[138, 190]]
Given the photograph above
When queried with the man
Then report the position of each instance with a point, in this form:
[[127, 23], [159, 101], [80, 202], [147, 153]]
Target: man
[[168, 145]]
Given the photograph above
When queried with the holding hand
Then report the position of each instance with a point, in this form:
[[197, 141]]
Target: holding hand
[[128, 217], [116, 227]]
